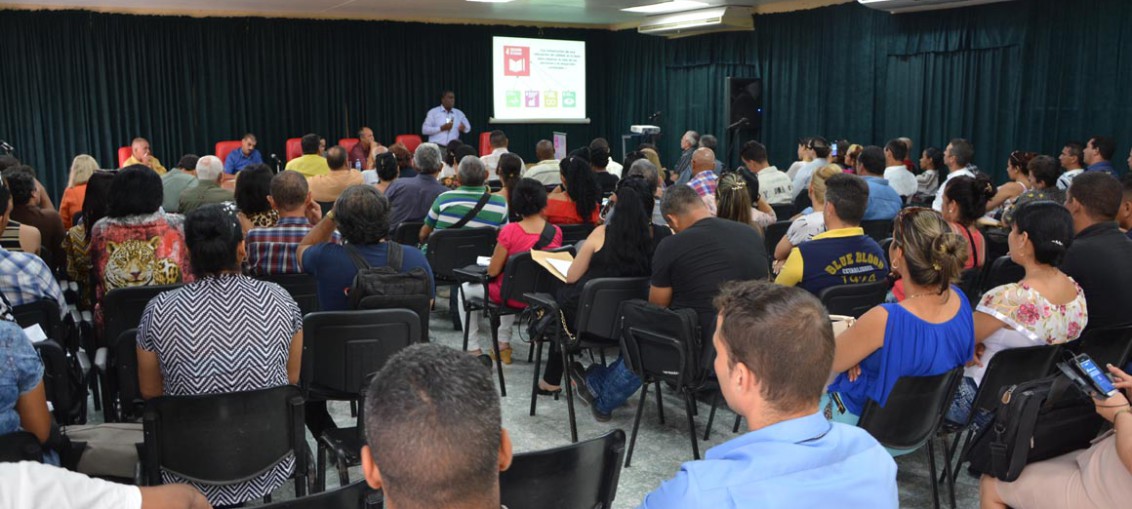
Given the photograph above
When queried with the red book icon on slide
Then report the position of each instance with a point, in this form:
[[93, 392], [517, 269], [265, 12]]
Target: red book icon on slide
[[516, 61]]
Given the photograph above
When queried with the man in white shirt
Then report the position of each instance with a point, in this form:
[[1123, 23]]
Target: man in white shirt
[[30, 484], [820, 149], [1072, 158], [546, 170], [895, 172], [774, 186], [445, 123], [498, 142], [957, 157]]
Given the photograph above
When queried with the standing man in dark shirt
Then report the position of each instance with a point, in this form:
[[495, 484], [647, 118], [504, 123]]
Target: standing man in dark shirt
[[688, 270], [25, 210], [1098, 258]]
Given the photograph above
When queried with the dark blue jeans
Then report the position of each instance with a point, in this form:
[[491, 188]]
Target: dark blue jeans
[[611, 385]]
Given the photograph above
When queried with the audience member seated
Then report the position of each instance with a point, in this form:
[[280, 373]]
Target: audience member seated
[[245, 156], [529, 201], [509, 170], [499, 142], [1124, 214], [622, 247], [448, 170], [1072, 159], [704, 179], [807, 225], [72, 203], [22, 238], [546, 169], [452, 207], [884, 202], [895, 172], [25, 210], [931, 175], [1044, 172], [1095, 478], [774, 347], [24, 277], [931, 332], [384, 173], [687, 271], [1045, 308], [176, 181], [271, 250], [682, 171], [23, 399], [252, 337], [600, 161], [648, 171], [843, 255], [804, 156], [252, 190], [734, 199], [207, 190], [364, 152], [1019, 174], [815, 153], [957, 158], [1097, 258], [311, 163], [136, 244], [327, 187], [140, 154], [31, 484], [774, 186], [578, 199], [411, 196], [405, 160], [45, 203], [77, 242], [434, 431], [1098, 154]]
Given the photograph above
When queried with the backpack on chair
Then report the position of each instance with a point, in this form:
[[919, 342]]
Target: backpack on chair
[[387, 287]]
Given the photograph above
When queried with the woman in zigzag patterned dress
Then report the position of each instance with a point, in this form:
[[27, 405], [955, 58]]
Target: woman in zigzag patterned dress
[[226, 332]]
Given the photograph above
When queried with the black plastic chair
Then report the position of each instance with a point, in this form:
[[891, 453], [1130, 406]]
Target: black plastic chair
[[223, 439], [969, 281], [46, 313], [341, 351], [1106, 346], [449, 249], [912, 416], [854, 299], [886, 245], [773, 235], [575, 233], [302, 287], [326, 206], [878, 229], [20, 446], [597, 325], [355, 496], [1000, 272], [584, 474], [408, 233], [784, 211], [63, 382]]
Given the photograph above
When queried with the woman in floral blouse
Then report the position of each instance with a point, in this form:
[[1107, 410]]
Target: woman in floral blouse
[[1046, 307]]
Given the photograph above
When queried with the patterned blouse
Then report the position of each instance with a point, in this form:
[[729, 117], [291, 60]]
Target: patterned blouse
[[77, 248], [218, 335], [1030, 320], [265, 219]]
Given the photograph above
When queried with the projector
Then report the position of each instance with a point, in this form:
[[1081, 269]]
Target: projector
[[645, 129]]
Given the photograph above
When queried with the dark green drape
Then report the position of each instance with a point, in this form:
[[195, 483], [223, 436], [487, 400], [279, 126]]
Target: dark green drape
[[1017, 75]]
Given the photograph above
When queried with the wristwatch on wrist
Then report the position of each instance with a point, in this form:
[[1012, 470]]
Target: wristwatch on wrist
[[329, 215]]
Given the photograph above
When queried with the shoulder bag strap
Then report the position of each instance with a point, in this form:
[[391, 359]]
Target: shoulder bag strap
[[475, 210], [546, 238]]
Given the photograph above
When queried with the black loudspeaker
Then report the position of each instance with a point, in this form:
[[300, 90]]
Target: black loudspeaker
[[745, 101]]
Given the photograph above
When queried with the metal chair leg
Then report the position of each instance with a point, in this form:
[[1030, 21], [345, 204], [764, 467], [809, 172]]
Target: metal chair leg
[[320, 475], [534, 383], [950, 482], [637, 423], [659, 402], [343, 473], [494, 322], [689, 403], [931, 468], [566, 360], [711, 416], [738, 419]]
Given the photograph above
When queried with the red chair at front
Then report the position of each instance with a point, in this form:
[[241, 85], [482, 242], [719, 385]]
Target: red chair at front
[[123, 154], [224, 147], [294, 148], [348, 143], [410, 141], [485, 144]]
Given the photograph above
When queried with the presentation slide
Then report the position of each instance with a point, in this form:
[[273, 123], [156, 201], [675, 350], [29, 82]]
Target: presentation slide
[[539, 80]]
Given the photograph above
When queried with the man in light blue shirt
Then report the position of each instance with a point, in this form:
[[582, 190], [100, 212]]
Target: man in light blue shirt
[[445, 123], [791, 456], [884, 202], [820, 149]]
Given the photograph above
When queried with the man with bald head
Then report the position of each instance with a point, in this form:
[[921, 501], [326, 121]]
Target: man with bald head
[[704, 179], [546, 169], [271, 250], [140, 154]]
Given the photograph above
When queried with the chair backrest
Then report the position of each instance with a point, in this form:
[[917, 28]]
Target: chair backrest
[[224, 147], [221, 439], [348, 143], [598, 307], [45, 313], [124, 363], [584, 474], [575, 233], [485, 143], [663, 344], [784, 211], [1014, 366], [1106, 346], [410, 141], [352, 496], [302, 287], [1002, 271], [123, 308], [995, 240], [294, 148], [341, 349], [22, 446], [773, 235], [879, 229], [123, 154], [913, 412], [455, 248], [408, 233], [63, 383], [969, 281], [854, 299], [522, 275], [886, 245]]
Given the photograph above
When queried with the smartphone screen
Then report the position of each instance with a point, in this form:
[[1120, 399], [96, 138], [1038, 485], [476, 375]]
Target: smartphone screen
[[1096, 375], [833, 151]]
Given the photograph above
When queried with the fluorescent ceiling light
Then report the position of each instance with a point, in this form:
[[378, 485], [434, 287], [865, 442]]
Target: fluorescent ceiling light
[[673, 6]]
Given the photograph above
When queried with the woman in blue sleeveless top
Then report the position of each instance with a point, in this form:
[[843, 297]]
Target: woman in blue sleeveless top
[[929, 333]]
